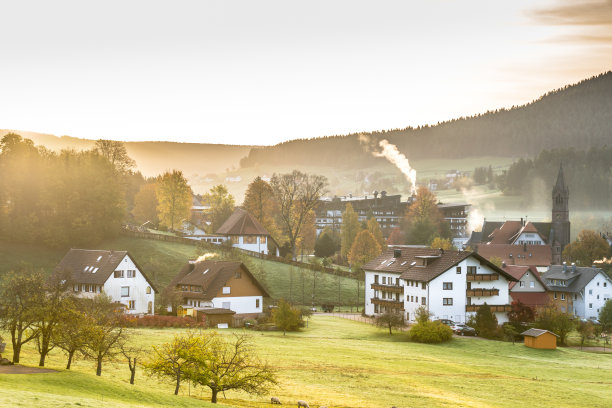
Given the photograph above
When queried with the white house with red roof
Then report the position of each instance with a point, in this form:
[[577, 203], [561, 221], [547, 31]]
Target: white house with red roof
[[450, 284], [529, 289]]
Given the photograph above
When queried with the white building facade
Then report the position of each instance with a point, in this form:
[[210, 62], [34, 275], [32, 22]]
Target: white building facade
[[450, 284]]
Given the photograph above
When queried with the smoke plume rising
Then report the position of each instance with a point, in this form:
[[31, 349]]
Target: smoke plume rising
[[206, 256], [390, 152]]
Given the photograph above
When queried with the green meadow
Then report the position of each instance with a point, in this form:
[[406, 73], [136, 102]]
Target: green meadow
[[161, 261], [342, 363]]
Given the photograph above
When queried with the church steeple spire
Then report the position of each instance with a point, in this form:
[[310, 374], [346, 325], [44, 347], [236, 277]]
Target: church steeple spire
[[560, 234]]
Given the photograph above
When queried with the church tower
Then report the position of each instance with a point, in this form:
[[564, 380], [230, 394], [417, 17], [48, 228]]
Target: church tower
[[560, 226]]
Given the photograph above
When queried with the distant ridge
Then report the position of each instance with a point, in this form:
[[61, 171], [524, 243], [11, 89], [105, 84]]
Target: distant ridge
[[577, 116], [155, 157]]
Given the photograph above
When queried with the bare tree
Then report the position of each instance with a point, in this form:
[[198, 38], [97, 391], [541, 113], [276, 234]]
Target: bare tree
[[297, 194]]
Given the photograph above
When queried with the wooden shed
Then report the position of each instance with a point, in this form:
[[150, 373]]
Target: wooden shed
[[540, 339], [218, 317]]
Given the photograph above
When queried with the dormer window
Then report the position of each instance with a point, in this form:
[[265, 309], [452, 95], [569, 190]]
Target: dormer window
[[98, 260]]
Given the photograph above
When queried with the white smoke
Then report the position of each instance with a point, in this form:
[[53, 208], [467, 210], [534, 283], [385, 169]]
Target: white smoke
[[205, 257], [478, 204], [392, 154]]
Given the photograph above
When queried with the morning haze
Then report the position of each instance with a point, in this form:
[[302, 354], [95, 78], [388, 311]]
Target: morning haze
[[321, 204]]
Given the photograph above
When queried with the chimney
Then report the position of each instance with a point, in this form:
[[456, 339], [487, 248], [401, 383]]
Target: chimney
[[525, 247], [441, 251], [564, 266], [522, 222], [397, 253], [383, 194], [573, 266], [503, 264]]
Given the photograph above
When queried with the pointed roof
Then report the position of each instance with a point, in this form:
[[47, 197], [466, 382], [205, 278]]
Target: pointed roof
[[560, 184], [92, 266], [211, 276], [241, 222]]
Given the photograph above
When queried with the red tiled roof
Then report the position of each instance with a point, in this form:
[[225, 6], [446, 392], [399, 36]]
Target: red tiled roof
[[505, 232], [241, 222], [536, 255], [518, 271], [533, 299]]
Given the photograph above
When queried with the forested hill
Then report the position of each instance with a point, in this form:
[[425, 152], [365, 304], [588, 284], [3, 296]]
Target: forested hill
[[153, 158], [578, 116]]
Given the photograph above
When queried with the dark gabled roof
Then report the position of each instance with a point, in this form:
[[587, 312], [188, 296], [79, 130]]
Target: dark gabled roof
[[241, 222], [211, 276], [489, 227], [533, 299], [216, 311], [93, 266], [438, 262], [536, 332], [538, 255], [577, 279]]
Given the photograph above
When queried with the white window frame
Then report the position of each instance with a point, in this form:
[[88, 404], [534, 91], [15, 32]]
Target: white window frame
[[226, 290], [128, 291]]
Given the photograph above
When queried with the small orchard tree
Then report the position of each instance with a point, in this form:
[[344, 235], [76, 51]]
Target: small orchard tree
[[391, 319], [229, 363], [287, 317], [585, 330], [605, 316], [486, 322], [132, 354], [72, 331], [20, 292], [171, 361], [550, 318], [106, 335]]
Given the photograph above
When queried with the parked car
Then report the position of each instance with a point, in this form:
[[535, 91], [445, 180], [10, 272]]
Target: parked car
[[464, 330], [446, 322]]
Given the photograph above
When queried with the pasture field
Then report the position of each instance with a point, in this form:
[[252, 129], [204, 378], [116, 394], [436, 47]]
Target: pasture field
[[342, 363], [162, 260]]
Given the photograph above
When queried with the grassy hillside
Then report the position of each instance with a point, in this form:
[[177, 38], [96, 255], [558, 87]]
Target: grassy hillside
[[161, 261], [342, 363]]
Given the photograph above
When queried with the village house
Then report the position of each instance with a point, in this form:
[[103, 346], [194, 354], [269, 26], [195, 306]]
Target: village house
[[450, 284], [528, 243], [242, 230], [114, 273], [204, 285], [529, 289], [581, 291]]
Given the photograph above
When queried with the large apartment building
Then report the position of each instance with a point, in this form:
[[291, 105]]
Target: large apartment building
[[450, 284], [388, 211]]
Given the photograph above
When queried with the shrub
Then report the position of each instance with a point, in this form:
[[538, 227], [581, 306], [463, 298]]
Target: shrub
[[160, 321], [430, 332], [486, 323]]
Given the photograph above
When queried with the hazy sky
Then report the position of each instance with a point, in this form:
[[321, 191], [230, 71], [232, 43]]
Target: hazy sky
[[260, 72]]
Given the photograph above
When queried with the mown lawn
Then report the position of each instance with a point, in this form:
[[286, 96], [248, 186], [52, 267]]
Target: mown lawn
[[162, 260], [342, 363]]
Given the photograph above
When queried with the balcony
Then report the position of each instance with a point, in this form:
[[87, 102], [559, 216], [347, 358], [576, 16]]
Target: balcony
[[394, 304], [481, 292], [388, 288], [482, 277], [494, 308]]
